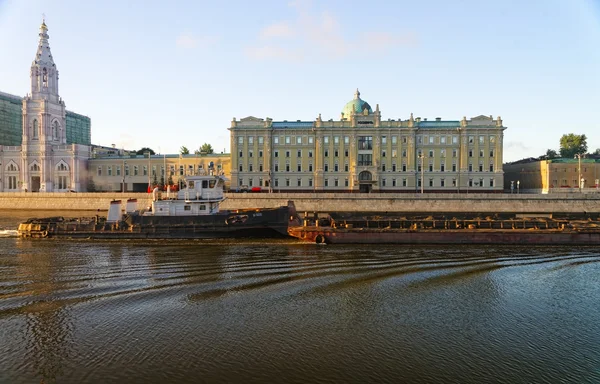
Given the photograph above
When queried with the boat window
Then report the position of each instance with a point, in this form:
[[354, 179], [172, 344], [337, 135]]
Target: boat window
[[212, 184], [187, 207], [204, 183], [202, 207]]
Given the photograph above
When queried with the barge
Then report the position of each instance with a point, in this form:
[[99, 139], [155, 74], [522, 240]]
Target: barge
[[192, 213], [445, 229]]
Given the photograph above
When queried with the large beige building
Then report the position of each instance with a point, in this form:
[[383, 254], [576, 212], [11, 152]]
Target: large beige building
[[360, 152]]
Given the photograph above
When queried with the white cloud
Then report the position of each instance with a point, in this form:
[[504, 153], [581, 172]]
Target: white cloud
[[318, 34]]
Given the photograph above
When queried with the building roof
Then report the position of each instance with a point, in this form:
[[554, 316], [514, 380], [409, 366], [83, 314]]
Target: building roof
[[292, 124], [356, 105], [439, 124]]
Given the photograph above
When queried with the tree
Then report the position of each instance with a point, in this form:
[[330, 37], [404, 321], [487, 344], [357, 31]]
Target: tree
[[597, 151], [572, 144], [206, 148], [144, 150], [183, 150], [551, 154]]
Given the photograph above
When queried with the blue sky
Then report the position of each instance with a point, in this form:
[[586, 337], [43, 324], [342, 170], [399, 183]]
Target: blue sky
[[167, 74]]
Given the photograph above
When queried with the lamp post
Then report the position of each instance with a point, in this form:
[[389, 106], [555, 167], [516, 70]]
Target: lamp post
[[124, 165], [422, 174], [518, 186], [579, 178]]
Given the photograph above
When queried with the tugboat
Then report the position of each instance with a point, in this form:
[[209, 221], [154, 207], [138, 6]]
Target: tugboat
[[193, 213]]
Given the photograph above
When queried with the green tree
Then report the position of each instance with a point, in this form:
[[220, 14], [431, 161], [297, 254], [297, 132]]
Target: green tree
[[183, 150], [597, 151], [551, 154], [572, 144], [144, 150], [206, 148]]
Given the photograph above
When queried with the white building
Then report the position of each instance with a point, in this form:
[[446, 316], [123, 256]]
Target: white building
[[44, 162]]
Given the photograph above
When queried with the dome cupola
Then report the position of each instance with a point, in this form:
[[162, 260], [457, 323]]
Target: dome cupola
[[356, 106]]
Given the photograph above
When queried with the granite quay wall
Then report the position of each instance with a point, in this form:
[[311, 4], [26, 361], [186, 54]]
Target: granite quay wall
[[329, 202]]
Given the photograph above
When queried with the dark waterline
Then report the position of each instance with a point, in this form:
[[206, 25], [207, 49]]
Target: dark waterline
[[279, 311]]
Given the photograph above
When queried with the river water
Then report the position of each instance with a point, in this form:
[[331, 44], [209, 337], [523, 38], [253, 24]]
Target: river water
[[280, 311]]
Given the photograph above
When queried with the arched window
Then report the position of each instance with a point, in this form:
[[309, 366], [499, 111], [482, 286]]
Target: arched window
[[45, 77], [55, 130], [12, 168], [365, 176], [34, 167], [36, 129], [62, 167]]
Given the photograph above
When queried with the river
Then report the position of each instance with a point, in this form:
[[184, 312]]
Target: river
[[279, 311]]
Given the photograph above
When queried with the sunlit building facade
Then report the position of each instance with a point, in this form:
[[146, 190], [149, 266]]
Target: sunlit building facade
[[360, 152]]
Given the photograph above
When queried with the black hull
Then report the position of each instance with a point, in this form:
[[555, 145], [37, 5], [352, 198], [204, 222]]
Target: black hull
[[257, 223]]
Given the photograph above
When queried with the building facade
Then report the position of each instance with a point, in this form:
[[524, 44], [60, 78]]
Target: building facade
[[552, 176], [118, 170], [363, 153], [50, 157]]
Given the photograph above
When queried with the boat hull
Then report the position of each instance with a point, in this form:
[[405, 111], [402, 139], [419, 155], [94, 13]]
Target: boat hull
[[260, 223], [330, 235]]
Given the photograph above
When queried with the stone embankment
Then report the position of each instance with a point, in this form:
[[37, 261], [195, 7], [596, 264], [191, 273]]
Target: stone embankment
[[328, 202]]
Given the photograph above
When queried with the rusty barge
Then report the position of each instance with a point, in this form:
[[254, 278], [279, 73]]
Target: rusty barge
[[449, 229]]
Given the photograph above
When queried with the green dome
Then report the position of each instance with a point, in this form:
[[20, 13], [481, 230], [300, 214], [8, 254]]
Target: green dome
[[356, 106]]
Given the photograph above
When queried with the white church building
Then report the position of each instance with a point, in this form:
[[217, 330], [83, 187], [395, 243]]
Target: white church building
[[44, 162]]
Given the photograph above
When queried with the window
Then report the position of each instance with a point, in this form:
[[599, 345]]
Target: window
[[453, 167], [181, 171], [454, 182], [35, 129], [431, 140], [454, 153], [404, 153], [299, 154], [299, 184], [335, 182], [492, 182], [287, 167], [241, 154], [260, 153], [365, 159], [336, 139], [470, 153], [419, 139], [310, 182], [336, 167], [287, 153], [382, 167], [454, 139], [299, 167], [145, 170], [260, 167], [326, 168], [276, 167], [443, 140], [481, 153], [430, 153], [442, 153], [383, 140], [491, 167], [404, 139], [260, 181], [471, 139], [261, 140], [118, 170], [470, 182], [394, 153], [276, 140], [336, 153], [136, 170], [481, 140], [326, 154], [393, 167], [327, 182], [250, 168], [346, 183], [346, 153], [109, 170], [251, 140], [276, 154], [326, 140], [470, 167], [430, 167], [404, 182], [481, 167], [346, 140], [126, 170], [288, 140], [12, 182], [382, 153], [442, 182], [394, 139], [311, 140], [431, 182], [298, 139], [277, 182], [287, 182], [403, 167], [310, 153], [250, 182], [241, 140], [99, 172], [250, 154], [241, 168], [310, 167], [442, 167], [491, 153], [346, 167], [365, 142], [62, 182]]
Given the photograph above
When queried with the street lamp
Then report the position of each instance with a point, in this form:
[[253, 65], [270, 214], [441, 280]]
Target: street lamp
[[518, 185], [124, 165], [421, 156], [579, 178]]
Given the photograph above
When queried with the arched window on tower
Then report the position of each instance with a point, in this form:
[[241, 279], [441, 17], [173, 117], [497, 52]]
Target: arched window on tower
[[45, 77], [55, 130], [36, 129]]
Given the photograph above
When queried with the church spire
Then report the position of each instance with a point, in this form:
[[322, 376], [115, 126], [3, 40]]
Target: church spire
[[44, 76]]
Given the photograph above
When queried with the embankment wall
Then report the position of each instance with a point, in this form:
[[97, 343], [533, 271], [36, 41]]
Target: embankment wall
[[329, 202]]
